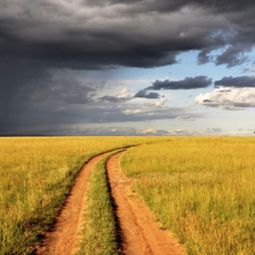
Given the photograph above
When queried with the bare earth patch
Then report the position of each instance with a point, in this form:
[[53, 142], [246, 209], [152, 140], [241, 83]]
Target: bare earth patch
[[140, 233]]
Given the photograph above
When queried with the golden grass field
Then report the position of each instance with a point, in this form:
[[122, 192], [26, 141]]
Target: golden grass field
[[200, 188], [36, 174]]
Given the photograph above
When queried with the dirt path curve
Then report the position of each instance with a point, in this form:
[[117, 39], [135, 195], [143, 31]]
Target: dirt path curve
[[140, 233], [64, 238]]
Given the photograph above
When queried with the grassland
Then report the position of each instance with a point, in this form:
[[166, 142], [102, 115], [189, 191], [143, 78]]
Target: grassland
[[36, 175], [99, 233], [202, 189]]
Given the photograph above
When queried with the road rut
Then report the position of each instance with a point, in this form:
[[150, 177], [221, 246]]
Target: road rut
[[140, 233], [65, 236]]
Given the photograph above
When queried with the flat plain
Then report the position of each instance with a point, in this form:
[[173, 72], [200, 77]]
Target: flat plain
[[201, 189], [36, 176]]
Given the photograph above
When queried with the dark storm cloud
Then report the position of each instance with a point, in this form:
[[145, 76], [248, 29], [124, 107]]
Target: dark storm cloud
[[36, 118], [92, 34], [204, 55], [14, 77], [234, 55], [173, 5], [36, 36], [187, 83], [238, 82], [147, 94], [65, 91]]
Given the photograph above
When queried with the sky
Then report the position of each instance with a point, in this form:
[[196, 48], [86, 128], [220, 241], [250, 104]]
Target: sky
[[130, 67]]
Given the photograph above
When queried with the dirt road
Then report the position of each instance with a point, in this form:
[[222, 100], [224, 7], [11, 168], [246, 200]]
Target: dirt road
[[140, 233], [64, 238]]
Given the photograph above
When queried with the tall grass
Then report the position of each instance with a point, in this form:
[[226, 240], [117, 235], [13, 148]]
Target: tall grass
[[36, 174], [203, 189], [99, 235]]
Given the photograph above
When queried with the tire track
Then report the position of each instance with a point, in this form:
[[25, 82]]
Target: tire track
[[140, 233], [64, 238]]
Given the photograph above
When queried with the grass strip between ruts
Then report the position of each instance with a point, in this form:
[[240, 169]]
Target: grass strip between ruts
[[99, 234]]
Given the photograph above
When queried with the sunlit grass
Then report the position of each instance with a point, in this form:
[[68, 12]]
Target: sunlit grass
[[36, 174], [203, 189], [99, 235]]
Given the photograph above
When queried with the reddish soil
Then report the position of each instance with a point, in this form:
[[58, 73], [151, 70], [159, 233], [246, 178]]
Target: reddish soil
[[140, 233], [64, 238]]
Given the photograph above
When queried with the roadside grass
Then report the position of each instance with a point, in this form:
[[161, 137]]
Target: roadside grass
[[99, 235], [202, 189], [36, 175]]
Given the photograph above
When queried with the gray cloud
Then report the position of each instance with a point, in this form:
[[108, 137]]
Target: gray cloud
[[126, 96], [15, 77], [90, 34], [113, 99], [45, 117], [234, 55], [37, 36], [60, 90], [187, 83], [147, 94], [204, 55], [239, 82]]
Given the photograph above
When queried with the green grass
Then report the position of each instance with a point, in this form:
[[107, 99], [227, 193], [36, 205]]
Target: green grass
[[36, 175], [202, 189], [99, 232]]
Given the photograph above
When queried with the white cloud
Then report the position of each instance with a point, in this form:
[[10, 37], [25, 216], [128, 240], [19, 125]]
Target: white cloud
[[228, 98], [152, 131], [160, 103], [122, 96], [149, 131], [147, 108], [124, 93]]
